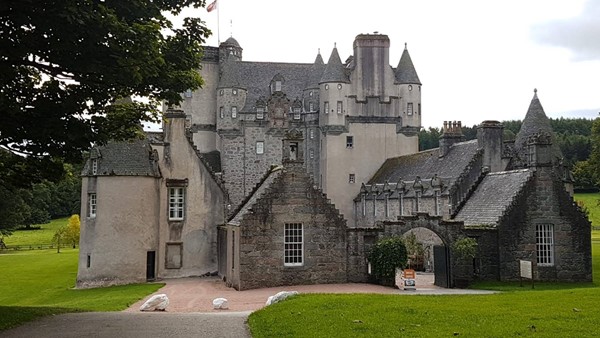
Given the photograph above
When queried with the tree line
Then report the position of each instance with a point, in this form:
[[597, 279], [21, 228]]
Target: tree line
[[578, 139]]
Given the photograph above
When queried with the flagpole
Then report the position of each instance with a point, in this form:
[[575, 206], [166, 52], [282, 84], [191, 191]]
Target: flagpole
[[218, 27]]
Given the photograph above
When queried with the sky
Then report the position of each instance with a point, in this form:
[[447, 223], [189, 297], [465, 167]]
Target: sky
[[477, 60]]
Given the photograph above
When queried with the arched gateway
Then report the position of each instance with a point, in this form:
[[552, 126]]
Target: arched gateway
[[361, 240]]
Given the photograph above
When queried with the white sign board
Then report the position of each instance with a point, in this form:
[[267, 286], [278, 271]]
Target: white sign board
[[526, 269]]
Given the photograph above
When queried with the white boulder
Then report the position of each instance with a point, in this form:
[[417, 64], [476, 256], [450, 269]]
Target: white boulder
[[278, 297], [156, 303], [220, 304]]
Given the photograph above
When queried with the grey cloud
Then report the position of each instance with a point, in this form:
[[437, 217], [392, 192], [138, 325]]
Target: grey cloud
[[580, 35]]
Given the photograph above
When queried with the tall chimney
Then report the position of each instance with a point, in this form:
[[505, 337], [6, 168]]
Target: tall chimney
[[451, 133], [489, 137], [372, 59]]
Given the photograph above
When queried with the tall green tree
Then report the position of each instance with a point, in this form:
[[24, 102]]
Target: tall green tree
[[62, 64]]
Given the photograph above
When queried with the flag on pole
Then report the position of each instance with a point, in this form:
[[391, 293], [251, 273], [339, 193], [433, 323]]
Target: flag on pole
[[212, 6]]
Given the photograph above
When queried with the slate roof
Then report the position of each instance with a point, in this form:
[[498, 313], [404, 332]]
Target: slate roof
[[535, 121], [315, 73], [406, 72], [492, 197], [428, 163], [256, 78], [213, 159], [134, 158], [335, 70]]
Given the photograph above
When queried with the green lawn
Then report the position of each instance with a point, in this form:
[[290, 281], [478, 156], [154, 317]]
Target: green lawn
[[550, 310], [590, 201], [39, 236], [41, 282]]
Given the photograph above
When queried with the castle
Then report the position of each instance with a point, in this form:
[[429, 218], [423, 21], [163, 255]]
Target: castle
[[287, 173]]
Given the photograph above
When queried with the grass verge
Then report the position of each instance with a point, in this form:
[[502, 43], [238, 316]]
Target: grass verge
[[39, 283]]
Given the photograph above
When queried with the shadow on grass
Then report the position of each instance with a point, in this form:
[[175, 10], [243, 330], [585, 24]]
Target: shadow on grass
[[12, 316]]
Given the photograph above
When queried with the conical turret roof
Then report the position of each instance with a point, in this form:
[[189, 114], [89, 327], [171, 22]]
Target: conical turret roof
[[405, 72], [335, 71], [315, 73], [535, 121]]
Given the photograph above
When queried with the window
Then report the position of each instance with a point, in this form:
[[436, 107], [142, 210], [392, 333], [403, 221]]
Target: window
[[94, 166], [418, 108], [312, 153], [277, 86], [234, 91], [363, 201], [326, 87], [233, 112], [89, 261], [176, 203], [437, 203], [312, 133], [326, 107], [310, 94], [339, 86], [221, 92], [349, 141], [544, 242], [260, 147], [293, 242], [351, 178], [387, 205], [296, 113], [188, 93], [311, 106], [260, 113], [92, 205], [221, 112], [409, 108], [339, 107]]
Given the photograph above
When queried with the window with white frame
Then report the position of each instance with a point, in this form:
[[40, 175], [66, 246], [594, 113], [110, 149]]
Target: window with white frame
[[296, 113], [312, 133], [176, 203], [351, 178], [221, 112], [312, 153], [339, 107], [260, 147], [94, 166], [92, 201], [293, 244], [233, 112], [544, 242], [311, 107], [326, 107], [277, 86], [260, 113], [409, 108]]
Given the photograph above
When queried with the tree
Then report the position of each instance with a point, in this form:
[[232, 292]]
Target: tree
[[65, 64], [72, 231], [386, 256], [58, 237], [594, 160]]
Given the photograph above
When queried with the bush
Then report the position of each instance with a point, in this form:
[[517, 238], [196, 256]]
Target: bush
[[465, 248], [386, 256]]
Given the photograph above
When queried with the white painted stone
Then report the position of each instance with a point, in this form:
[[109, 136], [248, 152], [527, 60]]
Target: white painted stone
[[278, 297], [156, 303], [220, 304]]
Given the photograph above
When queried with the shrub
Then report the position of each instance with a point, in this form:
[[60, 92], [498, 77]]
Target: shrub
[[465, 248], [386, 256]]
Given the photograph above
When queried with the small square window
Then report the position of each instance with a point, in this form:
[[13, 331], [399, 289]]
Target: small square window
[[351, 178], [221, 92], [260, 113], [233, 112], [260, 147], [349, 141], [339, 107], [234, 92]]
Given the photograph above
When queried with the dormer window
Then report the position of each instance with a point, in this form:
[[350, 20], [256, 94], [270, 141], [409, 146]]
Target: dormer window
[[296, 113], [277, 86]]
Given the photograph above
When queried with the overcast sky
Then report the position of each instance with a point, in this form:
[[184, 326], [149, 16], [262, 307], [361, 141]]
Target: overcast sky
[[477, 60]]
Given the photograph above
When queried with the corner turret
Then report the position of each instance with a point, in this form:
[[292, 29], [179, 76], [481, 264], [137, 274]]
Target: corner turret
[[230, 50]]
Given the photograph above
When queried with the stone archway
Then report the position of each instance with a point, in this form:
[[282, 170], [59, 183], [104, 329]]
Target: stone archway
[[446, 230]]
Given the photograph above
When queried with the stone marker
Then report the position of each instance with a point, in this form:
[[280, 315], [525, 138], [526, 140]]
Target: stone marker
[[156, 303], [220, 304], [278, 297]]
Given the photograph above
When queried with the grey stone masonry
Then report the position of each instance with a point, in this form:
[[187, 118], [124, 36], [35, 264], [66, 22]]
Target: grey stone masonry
[[291, 198]]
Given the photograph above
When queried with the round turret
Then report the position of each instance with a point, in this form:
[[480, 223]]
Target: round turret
[[230, 50]]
